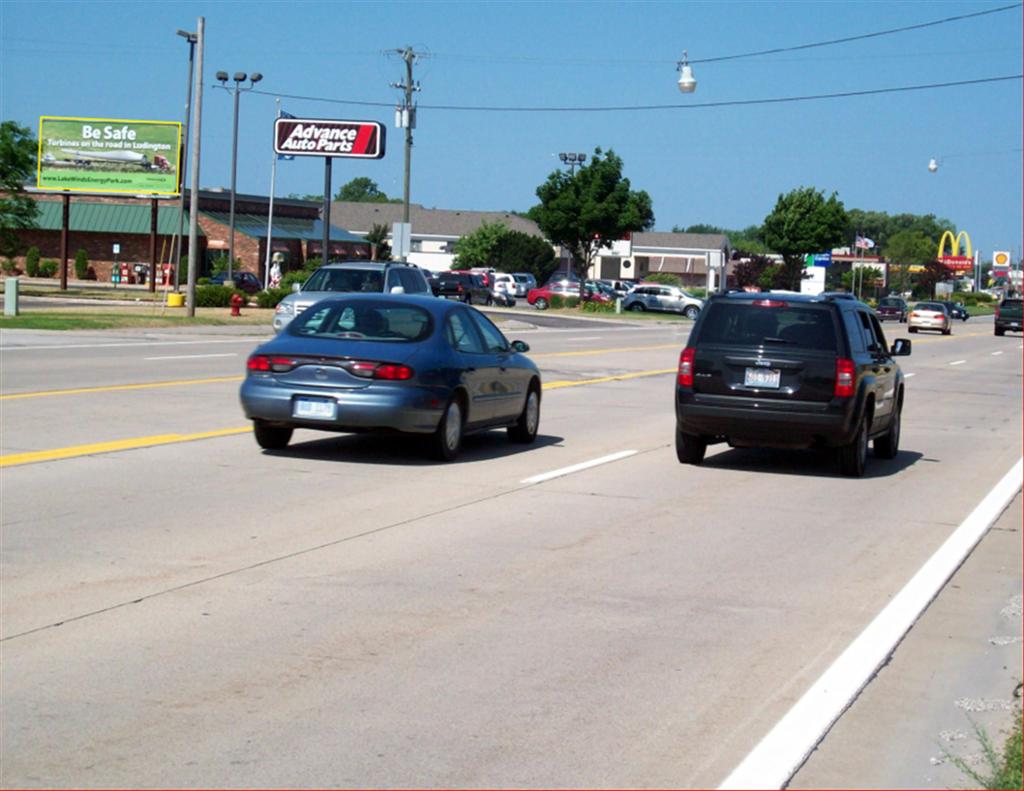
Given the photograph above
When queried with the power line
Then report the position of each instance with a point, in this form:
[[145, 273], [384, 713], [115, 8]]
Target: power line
[[646, 107]]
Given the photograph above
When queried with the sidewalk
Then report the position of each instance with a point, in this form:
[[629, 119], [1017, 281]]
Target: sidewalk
[[960, 663]]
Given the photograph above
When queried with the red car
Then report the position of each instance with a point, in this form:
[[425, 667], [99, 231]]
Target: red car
[[540, 298]]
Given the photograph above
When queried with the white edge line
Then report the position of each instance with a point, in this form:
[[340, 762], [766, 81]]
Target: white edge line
[[192, 356], [547, 476], [783, 750]]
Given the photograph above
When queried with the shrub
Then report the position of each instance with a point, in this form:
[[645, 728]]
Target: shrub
[[598, 307], [215, 296], [270, 297], [202, 281], [564, 302], [32, 262], [8, 266], [311, 265], [664, 277], [299, 277], [48, 268], [81, 264]]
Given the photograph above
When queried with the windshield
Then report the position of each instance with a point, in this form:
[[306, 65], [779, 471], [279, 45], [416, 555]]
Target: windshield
[[363, 320], [889, 303], [930, 306], [345, 280]]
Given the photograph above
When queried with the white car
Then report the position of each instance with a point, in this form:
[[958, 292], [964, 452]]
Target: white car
[[930, 316], [503, 284]]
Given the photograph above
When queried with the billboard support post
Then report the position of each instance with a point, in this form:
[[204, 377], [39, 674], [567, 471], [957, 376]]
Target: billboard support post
[[193, 203], [153, 210], [327, 212], [65, 222]]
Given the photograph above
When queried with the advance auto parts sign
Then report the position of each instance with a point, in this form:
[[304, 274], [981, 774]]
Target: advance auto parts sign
[[310, 137], [108, 155]]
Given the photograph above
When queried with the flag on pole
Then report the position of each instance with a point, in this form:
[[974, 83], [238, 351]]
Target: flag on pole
[[864, 243], [285, 157]]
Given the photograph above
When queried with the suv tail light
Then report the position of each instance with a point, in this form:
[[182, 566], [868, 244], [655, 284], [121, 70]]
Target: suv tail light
[[770, 303], [846, 375], [685, 377], [264, 363]]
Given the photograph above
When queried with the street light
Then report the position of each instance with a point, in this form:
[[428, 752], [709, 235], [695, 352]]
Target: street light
[[687, 83], [238, 79], [191, 38], [571, 160]]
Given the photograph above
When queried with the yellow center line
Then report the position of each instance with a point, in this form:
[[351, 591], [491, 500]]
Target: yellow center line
[[599, 380], [111, 388]]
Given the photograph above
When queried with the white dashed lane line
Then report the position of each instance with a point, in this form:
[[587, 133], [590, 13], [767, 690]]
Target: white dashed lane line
[[907, 376], [996, 354], [958, 362]]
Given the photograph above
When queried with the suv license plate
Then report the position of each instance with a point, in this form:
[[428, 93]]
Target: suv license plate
[[315, 408], [761, 377]]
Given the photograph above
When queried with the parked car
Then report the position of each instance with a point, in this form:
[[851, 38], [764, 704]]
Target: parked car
[[1009, 315], [794, 371], [620, 287], [503, 283], [524, 282], [930, 316], [958, 310], [541, 297], [244, 281], [377, 362], [657, 296], [463, 286], [892, 308], [346, 277], [503, 299]]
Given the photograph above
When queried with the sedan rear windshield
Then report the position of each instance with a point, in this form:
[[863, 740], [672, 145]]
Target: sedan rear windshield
[[930, 306], [364, 320], [345, 280], [739, 324], [890, 302]]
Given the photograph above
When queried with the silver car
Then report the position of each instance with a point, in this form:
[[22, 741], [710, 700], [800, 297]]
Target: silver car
[[656, 296], [524, 282], [350, 277]]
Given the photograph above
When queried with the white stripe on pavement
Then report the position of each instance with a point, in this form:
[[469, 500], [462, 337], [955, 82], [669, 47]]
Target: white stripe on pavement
[[192, 356], [996, 354], [958, 362], [133, 344], [547, 476], [907, 376], [783, 750]]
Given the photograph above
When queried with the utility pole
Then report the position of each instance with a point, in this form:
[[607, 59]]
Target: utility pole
[[405, 117], [193, 203]]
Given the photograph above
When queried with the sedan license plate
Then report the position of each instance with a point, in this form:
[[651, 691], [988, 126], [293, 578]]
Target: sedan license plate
[[315, 408], [761, 377]]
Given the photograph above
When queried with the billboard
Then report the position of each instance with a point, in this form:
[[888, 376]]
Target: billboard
[[312, 137], [955, 261], [108, 155]]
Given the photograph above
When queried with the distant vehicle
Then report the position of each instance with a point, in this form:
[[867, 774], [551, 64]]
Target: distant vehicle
[[524, 282], [380, 363], [620, 287], [84, 157], [657, 296], [1009, 315], [958, 311], [502, 282], [347, 277], [930, 316], [464, 286], [795, 371], [245, 281], [541, 297], [892, 308]]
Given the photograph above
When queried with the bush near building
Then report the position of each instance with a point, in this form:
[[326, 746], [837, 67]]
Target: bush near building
[[81, 264], [216, 296], [32, 262], [48, 268]]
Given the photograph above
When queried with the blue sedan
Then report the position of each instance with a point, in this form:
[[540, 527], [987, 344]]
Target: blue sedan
[[372, 362]]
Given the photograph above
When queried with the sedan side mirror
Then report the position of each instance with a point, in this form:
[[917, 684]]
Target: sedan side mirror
[[901, 347], [296, 288], [520, 346]]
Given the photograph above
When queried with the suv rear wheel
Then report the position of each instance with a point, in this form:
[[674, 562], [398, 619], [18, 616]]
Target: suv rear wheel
[[888, 445], [854, 456], [690, 448]]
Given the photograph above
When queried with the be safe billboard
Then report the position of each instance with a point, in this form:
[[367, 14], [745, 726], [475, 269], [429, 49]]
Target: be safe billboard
[[312, 137], [108, 155]]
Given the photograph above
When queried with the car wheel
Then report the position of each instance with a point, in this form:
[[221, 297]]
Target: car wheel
[[271, 437], [691, 312], [525, 429], [690, 448], [1000, 331], [469, 299], [911, 329], [948, 331], [888, 445], [637, 307], [854, 456], [446, 441], [489, 300], [541, 303]]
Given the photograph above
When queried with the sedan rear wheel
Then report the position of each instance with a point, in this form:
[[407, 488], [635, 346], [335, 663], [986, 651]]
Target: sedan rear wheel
[[541, 303], [691, 312], [447, 439], [271, 437], [637, 307], [525, 429]]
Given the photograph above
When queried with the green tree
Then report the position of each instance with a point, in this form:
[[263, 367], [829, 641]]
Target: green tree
[[881, 227], [363, 190], [905, 249], [516, 251], [17, 165], [81, 264], [803, 221], [478, 248], [380, 250], [591, 208]]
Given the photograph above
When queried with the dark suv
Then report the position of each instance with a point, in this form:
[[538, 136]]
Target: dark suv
[[789, 371], [464, 286], [1009, 316]]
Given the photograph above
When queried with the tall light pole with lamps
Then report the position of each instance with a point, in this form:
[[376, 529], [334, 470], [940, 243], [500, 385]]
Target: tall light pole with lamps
[[571, 160], [238, 79], [191, 38]]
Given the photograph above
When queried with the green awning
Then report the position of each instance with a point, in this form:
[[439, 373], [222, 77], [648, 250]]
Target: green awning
[[306, 230], [110, 218]]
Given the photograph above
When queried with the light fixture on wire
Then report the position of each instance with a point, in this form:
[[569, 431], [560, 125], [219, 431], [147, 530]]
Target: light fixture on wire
[[687, 82]]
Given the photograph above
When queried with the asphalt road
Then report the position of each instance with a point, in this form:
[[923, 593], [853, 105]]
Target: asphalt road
[[182, 609]]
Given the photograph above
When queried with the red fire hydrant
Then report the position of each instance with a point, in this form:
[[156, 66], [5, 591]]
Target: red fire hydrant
[[236, 304]]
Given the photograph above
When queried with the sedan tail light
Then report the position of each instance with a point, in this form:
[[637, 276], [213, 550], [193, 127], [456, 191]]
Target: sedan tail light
[[685, 376], [265, 363], [846, 376], [366, 369]]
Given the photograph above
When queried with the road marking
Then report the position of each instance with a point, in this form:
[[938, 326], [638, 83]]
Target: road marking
[[958, 362], [131, 345], [192, 356], [74, 451], [586, 465], [781, 752], [996, 354], [580, 340], [602, 379], [589, 352], [108, 388], [907, 376]]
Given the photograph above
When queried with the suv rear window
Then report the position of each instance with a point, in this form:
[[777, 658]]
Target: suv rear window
[[889, 302], [345, 280], [739, 324]]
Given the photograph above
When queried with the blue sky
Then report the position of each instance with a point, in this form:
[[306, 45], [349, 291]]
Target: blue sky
[[725, 166]]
